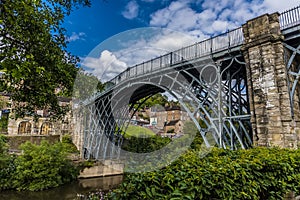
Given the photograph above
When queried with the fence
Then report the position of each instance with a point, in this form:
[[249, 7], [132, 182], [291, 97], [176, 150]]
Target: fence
[[290, 18]]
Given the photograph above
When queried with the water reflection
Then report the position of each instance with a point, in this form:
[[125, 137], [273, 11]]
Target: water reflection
[[66, 192]]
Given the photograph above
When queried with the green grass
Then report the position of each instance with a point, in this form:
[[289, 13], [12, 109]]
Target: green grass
[[138, 131]]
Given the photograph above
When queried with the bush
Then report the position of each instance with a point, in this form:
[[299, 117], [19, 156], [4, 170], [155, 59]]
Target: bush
[[258, 173], [7, 166], [39, 167], [68, 144], [43, 166], [144, 145]]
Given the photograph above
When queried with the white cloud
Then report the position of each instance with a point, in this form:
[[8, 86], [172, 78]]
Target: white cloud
[[165, 41], [106, 67], [194, 25], [135, 51], [214, 16], [131, 10], [76, 36], [164, 16], [279, 5]]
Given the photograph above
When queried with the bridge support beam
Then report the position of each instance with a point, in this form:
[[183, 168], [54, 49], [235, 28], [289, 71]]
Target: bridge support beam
[[271, 114]]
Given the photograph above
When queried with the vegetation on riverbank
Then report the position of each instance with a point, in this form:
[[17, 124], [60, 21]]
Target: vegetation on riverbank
[[258, 173], [39, 167]]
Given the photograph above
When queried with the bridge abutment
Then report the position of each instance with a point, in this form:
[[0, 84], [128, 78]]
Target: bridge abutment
[[271, 114]]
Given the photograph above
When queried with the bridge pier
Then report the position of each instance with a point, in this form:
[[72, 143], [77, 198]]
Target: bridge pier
[[269, 92]]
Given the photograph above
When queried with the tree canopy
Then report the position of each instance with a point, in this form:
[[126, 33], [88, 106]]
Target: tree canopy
[[36, 67]]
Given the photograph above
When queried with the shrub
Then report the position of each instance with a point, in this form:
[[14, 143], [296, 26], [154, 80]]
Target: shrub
[[258, 173], [42, 166], [144, 145], [39, 167], [7, 166], [68, 144]]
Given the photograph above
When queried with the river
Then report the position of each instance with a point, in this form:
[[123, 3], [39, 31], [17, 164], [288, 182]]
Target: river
[[70, 191]]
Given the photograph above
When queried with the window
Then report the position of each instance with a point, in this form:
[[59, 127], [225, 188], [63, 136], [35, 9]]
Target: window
[[46, 128], [24, 128]]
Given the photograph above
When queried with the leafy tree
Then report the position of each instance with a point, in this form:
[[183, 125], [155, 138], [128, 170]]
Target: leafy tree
[[33, 54], [157, 99], [7, 166], [3, 144], [145, 145], [43, 166], [68, 144], [86, 84]]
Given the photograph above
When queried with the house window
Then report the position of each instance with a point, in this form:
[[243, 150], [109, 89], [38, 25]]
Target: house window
[[46, 128], [24, 128]]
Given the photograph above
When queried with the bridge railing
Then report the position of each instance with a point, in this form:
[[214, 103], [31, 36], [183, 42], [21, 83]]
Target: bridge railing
[[290, 18], [207, 47]]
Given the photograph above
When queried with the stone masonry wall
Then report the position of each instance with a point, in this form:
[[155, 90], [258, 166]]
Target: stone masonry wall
[[267, 83]]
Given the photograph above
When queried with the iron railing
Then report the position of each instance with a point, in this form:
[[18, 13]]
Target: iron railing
[[207, 47], [227, 40], [290, 18]]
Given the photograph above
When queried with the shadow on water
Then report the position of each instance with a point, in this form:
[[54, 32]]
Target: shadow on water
[[66, 192]]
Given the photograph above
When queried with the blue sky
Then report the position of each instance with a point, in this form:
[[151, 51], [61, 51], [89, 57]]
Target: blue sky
[[195, 19]]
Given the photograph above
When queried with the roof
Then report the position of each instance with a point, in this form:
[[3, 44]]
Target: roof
[[169, 108], [172, 122]]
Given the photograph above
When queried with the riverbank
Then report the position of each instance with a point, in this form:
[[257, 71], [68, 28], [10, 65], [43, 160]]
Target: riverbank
[[102, 169]]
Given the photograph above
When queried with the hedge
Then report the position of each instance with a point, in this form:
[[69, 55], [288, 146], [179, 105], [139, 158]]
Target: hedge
[[258, 173]]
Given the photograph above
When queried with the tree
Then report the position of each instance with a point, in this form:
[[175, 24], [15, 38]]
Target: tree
[[157, 99], [33, 56], [43, 166], [86, 85]]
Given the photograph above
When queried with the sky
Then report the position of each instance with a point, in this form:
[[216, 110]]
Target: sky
[[112, 35]]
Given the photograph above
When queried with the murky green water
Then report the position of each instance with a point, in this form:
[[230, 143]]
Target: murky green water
[[66, 192]]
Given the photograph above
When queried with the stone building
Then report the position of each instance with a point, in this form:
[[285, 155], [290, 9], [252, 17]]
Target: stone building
[[44, 125], [168, 118]]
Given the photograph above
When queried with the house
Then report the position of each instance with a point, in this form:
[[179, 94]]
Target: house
[[168, 118], [44, 125]]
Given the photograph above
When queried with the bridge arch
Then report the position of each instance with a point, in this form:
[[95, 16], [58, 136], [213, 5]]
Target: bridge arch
[[218, 97]]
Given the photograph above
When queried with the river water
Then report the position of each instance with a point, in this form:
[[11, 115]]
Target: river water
[[71, 191]]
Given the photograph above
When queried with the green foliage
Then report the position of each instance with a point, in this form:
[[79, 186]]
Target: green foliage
[[157, 99], [42, 167], [3, 144], [33, 53], [3, 124], [68, 144], [6, 164], [258, 173], [197, 142], [144, 145], [39, 167], [86, 84]]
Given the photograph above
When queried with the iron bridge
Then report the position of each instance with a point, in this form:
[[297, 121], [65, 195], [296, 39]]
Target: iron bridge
[[207, 78]]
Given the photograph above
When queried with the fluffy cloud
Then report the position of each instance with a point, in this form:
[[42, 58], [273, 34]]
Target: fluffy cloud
[[213, 17], [131, 10], [160, 43], [135, 51], [195, 19], [106, 67], [76, 36], [279, 5]]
